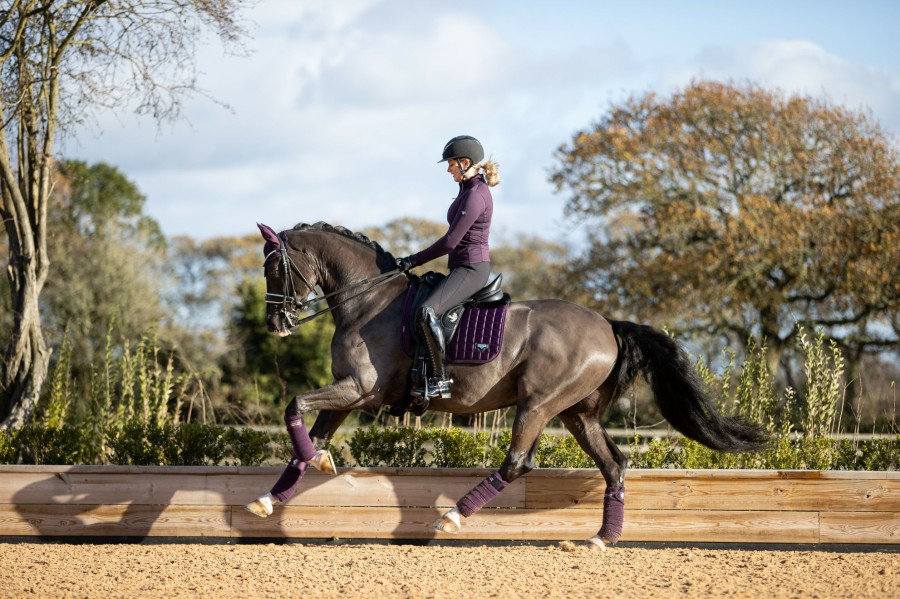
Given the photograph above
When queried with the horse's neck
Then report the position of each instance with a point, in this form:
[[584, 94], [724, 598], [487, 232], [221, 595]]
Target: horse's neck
[[342, 263]]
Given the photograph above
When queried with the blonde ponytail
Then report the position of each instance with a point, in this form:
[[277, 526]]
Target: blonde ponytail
[[491, 171]]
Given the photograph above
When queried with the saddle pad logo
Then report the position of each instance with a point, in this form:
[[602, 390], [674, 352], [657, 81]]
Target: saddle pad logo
[[482, 346]]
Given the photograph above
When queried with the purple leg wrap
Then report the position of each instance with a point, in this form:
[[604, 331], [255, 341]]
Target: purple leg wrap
[[613, 514], [303, 445], [478, 497], [287, 483]]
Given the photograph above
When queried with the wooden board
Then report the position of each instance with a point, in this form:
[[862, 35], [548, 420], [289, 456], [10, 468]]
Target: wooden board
[[115, 520], [662, 505], [702, 493], [860, 527]]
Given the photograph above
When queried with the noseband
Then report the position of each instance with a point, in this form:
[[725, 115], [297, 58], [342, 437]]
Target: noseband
[[291, 305]]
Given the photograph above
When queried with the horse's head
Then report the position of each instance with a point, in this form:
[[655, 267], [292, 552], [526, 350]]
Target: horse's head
[[285, 283]]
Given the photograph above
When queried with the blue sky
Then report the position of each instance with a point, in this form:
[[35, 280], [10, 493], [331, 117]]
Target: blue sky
[[341, 109]]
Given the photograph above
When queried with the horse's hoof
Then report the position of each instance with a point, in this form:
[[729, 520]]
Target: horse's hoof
[[596, 543], [449, 522], [262, 507], [323, 462]]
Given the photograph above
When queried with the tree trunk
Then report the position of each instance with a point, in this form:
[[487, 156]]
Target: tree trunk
[[26, 359]]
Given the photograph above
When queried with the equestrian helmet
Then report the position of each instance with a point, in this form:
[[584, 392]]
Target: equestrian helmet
[[463, 146]]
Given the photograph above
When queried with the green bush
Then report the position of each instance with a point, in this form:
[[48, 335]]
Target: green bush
[[497, 452], [200, 444], [35, 444], [562, 452], [659, 453], [454, 448], [247, 446], [786, 453], [7, 447], [399, 447], [144, 444]]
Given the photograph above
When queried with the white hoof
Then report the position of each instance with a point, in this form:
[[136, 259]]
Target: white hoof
[[449, 522], [323, 462], [262, 507], [596, 543]]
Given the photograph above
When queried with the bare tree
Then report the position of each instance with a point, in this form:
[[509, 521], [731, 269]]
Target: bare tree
[[61, 60]]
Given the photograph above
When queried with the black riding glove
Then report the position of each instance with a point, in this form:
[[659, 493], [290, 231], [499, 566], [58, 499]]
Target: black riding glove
[[404, 264]]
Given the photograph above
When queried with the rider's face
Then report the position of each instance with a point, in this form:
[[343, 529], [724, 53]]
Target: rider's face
[[455, 171]]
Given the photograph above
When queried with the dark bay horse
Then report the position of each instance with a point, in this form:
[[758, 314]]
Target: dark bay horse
[[558, 359]]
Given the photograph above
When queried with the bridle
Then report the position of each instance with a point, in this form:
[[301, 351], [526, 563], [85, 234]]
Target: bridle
[[292, 305]]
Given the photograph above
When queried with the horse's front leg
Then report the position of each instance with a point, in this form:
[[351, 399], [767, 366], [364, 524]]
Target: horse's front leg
[[343, 395], [326, 424]]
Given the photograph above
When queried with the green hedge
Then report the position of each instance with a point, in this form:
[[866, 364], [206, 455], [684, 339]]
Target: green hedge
[[193, 444]]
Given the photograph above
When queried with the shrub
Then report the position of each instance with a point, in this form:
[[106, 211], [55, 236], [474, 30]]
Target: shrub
[[247, 446], [7, 446], [455, 448], [398, 447], [786, 453], [37, 444], [200, 444], [562, 452], [143, 444], [497, 452], [659, 453]]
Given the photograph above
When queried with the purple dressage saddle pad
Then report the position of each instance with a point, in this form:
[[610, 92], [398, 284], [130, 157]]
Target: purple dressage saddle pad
[[475, 329]]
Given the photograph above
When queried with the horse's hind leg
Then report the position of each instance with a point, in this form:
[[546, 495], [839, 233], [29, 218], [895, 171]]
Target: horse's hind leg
[[526, 434], [583, 421]]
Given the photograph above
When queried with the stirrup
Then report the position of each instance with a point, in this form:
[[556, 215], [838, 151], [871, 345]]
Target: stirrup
[[434, 387]]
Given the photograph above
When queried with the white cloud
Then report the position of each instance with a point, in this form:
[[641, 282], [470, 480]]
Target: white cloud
[[805, 68], [340, 112]]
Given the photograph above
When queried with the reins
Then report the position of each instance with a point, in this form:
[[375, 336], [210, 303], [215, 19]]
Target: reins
[[291, 305]]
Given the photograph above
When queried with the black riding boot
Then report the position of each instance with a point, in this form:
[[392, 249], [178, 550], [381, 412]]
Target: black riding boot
[[437, 385]]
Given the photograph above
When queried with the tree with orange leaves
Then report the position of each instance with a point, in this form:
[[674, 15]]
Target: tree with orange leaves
[[735, 210]]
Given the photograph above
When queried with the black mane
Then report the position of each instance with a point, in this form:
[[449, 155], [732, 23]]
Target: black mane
[[345, 232]]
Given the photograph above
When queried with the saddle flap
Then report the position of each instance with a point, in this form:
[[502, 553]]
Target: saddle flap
[[450, 319]]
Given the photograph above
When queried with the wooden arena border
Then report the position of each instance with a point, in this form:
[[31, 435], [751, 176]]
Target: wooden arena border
[[709, 506]]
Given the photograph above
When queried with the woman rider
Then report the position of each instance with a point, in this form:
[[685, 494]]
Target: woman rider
[[466, 243]]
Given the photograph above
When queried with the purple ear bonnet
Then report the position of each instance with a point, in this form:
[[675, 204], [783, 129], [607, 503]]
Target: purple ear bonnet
[[271, 237]]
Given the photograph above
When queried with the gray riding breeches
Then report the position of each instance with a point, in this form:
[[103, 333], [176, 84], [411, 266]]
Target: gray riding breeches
[[460, 284]]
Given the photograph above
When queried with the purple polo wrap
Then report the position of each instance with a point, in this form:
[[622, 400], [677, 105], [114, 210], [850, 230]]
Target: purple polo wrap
[[287, 483], [478, 497], [613, 514], [303, 445]]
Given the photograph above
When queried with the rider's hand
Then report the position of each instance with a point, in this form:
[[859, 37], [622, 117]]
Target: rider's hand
[[404, 264]]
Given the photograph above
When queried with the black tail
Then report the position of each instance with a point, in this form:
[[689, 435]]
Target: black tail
[[678, 390]]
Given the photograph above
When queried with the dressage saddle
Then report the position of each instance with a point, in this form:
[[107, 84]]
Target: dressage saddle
[[473, 330]]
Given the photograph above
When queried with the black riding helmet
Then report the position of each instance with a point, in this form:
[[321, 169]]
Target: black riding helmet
[[463, 146]]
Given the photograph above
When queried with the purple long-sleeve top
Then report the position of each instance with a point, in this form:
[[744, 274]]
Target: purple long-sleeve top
[[466, 240]]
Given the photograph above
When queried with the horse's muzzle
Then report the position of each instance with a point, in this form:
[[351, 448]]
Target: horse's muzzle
[[278, 325]]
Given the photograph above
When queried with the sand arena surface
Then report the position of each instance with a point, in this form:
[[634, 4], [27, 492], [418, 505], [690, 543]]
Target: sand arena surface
[[376, 570]]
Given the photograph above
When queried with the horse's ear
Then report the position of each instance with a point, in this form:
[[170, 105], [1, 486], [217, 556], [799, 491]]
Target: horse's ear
[[269, 235]]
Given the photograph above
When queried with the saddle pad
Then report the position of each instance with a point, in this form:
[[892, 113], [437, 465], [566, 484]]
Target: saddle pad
[[478, 338]]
